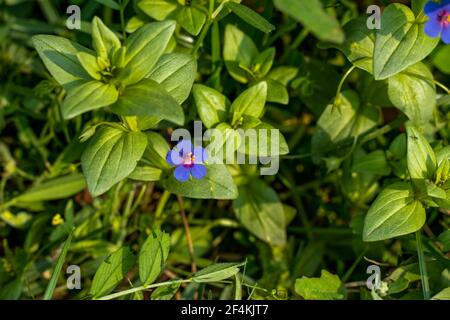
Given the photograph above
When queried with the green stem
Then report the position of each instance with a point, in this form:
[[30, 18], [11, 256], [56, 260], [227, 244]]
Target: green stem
[[341, 84], [141, 288], [202, 36], [212, 14], [442, 86], [122, 19], [161, 204], [422, 266]]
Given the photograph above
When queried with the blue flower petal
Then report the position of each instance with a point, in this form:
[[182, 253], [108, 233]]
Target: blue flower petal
[[198, 171], [181, 173], [446, 35], [432, 7], [184, 146], [433, 28], [173, 158], [200, 154]]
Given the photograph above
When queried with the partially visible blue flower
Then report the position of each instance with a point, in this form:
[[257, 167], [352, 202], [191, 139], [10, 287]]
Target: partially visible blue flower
[[438, 19], [187, 160]]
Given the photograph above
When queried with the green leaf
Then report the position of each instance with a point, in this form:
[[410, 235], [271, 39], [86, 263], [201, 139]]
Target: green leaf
[[158, 9], [217, 184], [110, 156], [414, 93], [313, 16], [277, 92], [251, 102], [56, 272], [111, 272], [359, 44], [263, 62], [395, 212], [250, 16], [165, 292], [88, 96], [110, 4], [156, 151], [216, 272], [440, 59], [252, 141], [316, 85], [374, 162], [60, 57], [421, 159], [238, 50], [212, 106], [327, 287], [153, 256], [444, 238], [104, 41], [442, 295], [176, 73], [191, 19], [417, 6], [259, 210], [283, 74], [146, 173], [89, 63], [400, 42], [149, 99], [54, 189], [144, 48], [337, 123]]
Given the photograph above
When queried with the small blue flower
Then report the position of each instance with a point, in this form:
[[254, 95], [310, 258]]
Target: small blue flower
[[438, 19], [187, 160]]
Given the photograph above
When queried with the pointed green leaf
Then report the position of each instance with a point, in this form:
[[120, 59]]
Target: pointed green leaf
[[191, 19], [217, 184], [153, 256], [104, 41], [176, 73], [327, 287], [60, 57], [395, 212], [400, 42], [144, 48], [413, 92], [212, 106], [111, 272], [149, 99], [259, 210], [88, 96], [421, 159], [250, 16], [110, 156]]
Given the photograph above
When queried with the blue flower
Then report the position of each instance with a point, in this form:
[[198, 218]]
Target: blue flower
[[438, 19], [187, 160]]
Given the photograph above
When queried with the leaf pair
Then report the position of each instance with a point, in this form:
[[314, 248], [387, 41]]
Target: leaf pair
[[246, 64], [400, 207], [216, 111], [152, 257]]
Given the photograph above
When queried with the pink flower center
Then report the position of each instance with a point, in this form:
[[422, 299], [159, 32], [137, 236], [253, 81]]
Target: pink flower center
[[189, 160], [444, 18]]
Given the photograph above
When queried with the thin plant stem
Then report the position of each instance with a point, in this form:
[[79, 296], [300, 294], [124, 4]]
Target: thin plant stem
[[187, 230], [142, 288], [161, 204], [341, 83], [442, 86], [422, 266]]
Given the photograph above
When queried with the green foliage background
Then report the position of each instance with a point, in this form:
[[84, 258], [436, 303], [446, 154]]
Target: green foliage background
[[85, 122]]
